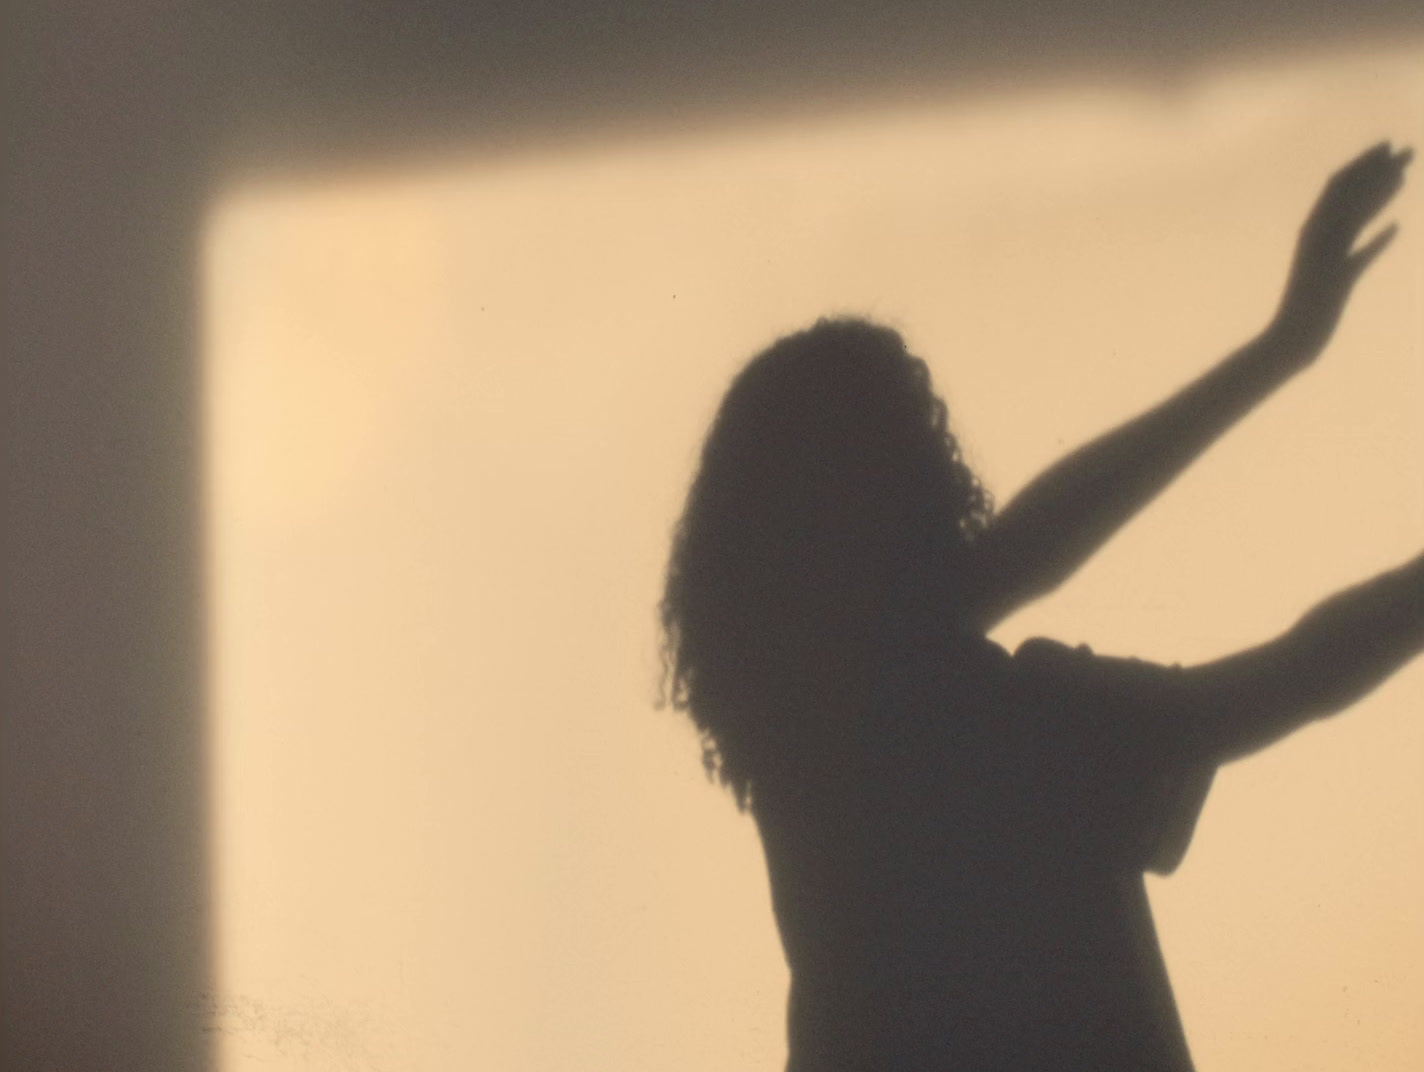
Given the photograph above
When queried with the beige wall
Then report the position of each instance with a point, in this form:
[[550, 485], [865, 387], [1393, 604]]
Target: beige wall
[[451, 417]]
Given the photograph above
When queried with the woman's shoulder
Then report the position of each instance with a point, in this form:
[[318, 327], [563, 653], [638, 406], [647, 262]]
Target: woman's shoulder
[[977, 669], [1069, 669], [1046, 655]]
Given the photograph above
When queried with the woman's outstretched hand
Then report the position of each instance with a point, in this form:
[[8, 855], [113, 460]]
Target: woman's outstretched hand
[[1327, 263]]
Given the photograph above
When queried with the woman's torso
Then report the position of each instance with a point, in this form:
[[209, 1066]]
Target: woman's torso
[[954, 888]]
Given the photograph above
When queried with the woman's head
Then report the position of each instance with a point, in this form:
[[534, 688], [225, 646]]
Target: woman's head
[[826, 523]]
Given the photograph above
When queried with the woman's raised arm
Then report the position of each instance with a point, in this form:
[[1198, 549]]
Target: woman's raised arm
[[1069, 511]]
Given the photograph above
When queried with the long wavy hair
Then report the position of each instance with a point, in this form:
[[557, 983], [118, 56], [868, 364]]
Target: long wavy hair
[[824, 531]]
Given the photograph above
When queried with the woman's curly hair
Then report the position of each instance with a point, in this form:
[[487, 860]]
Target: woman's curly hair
[[826, 525]]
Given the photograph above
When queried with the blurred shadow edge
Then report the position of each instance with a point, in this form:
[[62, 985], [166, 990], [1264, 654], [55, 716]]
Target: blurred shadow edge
[[119, 121]]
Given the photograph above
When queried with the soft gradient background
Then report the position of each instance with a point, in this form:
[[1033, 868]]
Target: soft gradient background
[[451, 414]]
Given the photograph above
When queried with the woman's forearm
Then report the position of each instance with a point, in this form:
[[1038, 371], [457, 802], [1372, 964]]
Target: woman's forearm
[[1339, 652], [1353, 641], [1069, 511]]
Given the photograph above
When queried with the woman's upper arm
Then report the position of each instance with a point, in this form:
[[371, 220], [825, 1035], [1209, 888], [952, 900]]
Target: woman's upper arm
[[1209, 713], [1000, 579]]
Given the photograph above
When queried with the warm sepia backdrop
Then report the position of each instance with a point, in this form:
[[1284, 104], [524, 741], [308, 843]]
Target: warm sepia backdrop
[[452, 411]]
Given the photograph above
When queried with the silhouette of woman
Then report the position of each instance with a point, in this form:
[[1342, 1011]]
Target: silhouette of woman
[[956, 836]]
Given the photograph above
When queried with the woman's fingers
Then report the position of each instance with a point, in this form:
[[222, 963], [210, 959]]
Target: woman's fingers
[[1375, 162], [1369, 183], [1380, 182], [1363, 257], [1353, 197], [1327, 264]]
